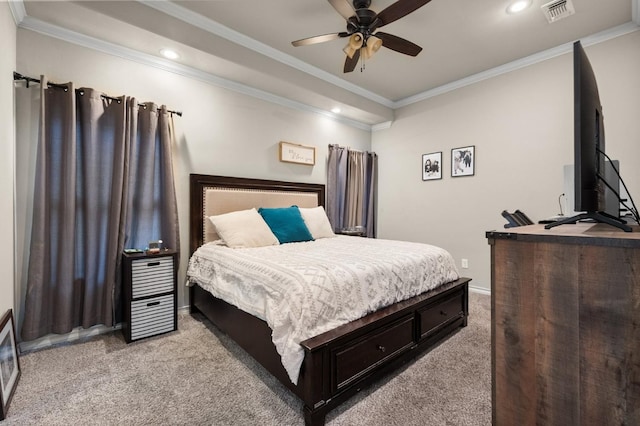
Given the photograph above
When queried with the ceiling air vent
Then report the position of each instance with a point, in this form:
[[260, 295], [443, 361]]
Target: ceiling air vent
[[558, 9]]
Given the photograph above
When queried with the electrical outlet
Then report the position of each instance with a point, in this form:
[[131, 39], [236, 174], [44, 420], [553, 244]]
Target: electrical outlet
[[465, 263]]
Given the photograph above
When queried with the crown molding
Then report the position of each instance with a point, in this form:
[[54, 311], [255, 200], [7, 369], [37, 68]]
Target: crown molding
[[64, 34], [381, 126], [600, 37], [213, 27], [17, 10]]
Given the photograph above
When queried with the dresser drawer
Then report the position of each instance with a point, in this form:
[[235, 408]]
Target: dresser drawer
[[435, 316], [152, 316], [151, 276], [355, 359]]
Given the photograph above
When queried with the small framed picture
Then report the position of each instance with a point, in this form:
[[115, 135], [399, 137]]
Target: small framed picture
[[463, 161], [296, 153], [432, 166], [9, 363]]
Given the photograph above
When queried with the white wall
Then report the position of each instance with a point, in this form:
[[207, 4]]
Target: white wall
[[521, 124], [221, 132], [7, 66]]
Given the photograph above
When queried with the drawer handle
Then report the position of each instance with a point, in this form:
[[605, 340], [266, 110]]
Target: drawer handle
[[381, 348], [153, 263], [153, 303], [443, 313]]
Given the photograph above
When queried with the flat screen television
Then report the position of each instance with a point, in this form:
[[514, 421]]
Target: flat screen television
[[589, 148]]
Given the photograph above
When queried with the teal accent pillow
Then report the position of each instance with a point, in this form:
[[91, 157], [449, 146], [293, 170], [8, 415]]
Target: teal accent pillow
[[286, 223]]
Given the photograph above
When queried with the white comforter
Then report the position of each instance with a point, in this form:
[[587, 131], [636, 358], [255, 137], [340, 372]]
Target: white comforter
[[304, 289]]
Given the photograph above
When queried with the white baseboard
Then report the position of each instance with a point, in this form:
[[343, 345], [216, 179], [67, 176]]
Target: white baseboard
[[75, 335], [480, 290]]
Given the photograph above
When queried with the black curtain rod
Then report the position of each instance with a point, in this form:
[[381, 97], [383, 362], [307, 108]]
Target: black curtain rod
[[18, 76]]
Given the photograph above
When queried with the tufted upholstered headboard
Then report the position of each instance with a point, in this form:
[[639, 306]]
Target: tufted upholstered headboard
[[213, 195]]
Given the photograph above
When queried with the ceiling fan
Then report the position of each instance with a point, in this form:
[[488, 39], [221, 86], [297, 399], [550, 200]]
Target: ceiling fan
[[362, 26]]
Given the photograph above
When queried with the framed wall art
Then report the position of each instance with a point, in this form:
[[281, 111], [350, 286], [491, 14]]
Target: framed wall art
[[295, 153], [432, 166], [463, 161], [9, 363]]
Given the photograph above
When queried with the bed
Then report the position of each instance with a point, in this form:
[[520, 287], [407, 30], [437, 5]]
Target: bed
[[338, 362]]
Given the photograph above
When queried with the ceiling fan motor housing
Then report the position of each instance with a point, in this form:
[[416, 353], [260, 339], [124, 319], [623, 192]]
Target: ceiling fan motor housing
[[361, 4], [367, 19]]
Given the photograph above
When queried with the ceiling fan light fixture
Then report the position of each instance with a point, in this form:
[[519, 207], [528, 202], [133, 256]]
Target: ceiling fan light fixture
[[355, 42], [373, 45], [349, 51]]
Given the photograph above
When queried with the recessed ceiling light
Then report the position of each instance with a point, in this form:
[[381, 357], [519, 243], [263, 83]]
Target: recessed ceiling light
[[169, 54], [336, 110], [518, 6]]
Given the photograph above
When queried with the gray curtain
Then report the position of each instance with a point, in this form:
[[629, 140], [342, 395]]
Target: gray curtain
[[351, 189], [151, 206], [86, 172]]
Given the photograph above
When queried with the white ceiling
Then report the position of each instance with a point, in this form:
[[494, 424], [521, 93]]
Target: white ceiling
[[246, 44]]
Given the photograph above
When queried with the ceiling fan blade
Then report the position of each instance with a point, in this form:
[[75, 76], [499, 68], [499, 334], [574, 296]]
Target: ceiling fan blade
[[344, 8], [398, 44], [319, 39], [399, 9], [350, 63]]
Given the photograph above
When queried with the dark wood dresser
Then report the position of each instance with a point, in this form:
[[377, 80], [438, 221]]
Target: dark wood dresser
[[565, 325]]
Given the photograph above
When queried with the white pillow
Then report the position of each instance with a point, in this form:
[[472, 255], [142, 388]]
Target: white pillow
[[317, 222], [244, 228]]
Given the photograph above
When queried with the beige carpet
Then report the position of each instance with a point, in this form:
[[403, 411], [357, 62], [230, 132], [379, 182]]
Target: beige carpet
[[197, 376]]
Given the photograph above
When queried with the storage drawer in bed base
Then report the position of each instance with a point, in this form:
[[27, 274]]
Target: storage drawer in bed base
[[439, 314], [356, 358]]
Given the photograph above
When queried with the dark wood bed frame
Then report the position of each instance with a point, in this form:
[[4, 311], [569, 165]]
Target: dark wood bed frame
[[342, 361]]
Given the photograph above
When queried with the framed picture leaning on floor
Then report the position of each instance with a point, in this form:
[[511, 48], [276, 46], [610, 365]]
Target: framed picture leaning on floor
[[9, 362]]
